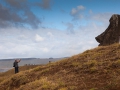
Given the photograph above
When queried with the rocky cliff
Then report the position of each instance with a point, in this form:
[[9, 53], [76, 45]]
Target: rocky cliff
[[112, 33]]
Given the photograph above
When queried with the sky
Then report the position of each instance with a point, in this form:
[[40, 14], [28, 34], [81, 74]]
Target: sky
[[52, 28]]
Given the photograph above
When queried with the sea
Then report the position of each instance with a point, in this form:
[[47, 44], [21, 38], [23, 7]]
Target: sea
[[7, 64]]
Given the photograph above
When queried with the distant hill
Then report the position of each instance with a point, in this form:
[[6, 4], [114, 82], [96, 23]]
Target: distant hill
[[95, 69]]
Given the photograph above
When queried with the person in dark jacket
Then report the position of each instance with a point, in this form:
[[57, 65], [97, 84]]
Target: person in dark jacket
[[15, 65]]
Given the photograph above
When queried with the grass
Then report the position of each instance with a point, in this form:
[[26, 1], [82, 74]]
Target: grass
[[95, 69]]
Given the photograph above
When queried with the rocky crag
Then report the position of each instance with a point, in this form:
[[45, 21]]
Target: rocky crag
[[112, 34]]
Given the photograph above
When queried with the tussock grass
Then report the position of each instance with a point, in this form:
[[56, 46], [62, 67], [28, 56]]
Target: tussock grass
[[95, 69]]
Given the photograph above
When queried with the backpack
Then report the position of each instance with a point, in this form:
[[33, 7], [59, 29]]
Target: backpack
[[14, 64]]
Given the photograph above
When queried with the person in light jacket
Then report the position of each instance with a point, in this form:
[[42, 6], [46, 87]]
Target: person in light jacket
[[15, 65]]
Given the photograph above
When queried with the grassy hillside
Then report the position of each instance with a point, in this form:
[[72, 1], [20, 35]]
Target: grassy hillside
[[4, 75], [96, 69]]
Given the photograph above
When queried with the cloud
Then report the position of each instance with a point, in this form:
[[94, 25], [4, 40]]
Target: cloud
[[32, 20], [101, 17], [77, 12], [19, 42], [45, 42], [99, 21], [6, 17], [38, 38], [90, 11], [45, 4], [70, 28], [17, 13], [45, 49], [22, 37], [80, 7], [49, 34], [18, 4]]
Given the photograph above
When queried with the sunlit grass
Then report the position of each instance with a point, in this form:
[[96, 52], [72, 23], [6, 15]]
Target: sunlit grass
[[95, 69]]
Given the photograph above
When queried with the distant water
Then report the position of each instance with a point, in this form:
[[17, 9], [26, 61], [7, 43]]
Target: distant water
[[8, 63], [5, 69]]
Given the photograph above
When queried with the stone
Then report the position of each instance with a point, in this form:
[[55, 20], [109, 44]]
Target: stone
[[112, 34]]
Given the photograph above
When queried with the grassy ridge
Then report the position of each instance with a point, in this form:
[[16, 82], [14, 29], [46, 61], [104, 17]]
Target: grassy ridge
[[96, 69]]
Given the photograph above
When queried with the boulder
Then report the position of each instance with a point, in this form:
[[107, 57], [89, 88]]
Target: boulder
[[112, 34]]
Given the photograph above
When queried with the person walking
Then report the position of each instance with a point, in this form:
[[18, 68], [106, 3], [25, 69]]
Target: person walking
[[15, 65]]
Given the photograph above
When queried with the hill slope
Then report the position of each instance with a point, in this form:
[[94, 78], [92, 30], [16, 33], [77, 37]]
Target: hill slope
[[96, 69]]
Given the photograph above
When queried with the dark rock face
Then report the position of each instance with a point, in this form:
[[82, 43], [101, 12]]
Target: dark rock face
[[112, 33]]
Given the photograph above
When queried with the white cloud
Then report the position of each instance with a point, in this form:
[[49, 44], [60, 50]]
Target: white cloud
[[45, 49], [49, 34], [22, 37], [38, 38]]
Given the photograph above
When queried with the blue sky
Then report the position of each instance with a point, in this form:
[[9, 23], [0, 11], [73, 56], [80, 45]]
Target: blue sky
[[52, 28]]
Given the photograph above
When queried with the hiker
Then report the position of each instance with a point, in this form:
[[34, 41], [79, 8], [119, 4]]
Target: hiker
[[15, 65]]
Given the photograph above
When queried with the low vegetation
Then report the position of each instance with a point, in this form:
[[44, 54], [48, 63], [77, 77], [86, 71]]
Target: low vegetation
[[95, 69]]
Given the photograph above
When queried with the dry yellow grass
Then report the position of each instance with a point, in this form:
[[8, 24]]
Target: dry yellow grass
[[95, 69]]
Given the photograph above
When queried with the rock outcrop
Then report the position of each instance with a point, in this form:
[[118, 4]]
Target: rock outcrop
[[112, 34]]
